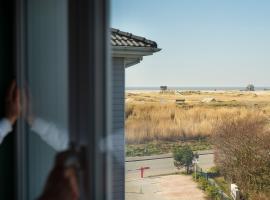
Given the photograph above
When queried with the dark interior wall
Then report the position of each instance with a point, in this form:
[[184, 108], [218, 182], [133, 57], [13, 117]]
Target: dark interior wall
[[7, 186]]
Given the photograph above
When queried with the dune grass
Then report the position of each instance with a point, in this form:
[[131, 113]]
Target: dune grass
[[150, 122], [156, 117]]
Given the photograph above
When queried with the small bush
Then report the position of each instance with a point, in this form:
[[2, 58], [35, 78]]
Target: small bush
[[213, 172], [197, 176], [203, 183], [183, 158], [212, 191]]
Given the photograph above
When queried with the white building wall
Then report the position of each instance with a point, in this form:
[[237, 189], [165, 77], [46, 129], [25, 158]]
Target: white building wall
[[118, 128]]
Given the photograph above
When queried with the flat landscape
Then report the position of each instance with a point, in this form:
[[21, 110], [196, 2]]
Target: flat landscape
[[158, 122], [234, 125]]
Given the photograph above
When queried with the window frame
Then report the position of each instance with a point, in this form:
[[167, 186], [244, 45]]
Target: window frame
[[20, 66], [89, 112]]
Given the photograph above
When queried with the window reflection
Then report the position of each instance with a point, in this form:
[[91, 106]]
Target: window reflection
[[46, 88]]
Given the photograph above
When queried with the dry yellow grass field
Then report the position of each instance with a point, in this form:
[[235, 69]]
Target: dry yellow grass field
[[154, 116]]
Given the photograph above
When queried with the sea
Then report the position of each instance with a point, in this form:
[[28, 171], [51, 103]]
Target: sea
[[197, 88]]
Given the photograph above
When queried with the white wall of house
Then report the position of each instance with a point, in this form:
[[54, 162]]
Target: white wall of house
[[121, 60], [118, 128]]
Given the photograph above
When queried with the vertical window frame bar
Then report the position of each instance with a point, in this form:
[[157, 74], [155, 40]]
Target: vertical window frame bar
[[21, 136], [90, 92]]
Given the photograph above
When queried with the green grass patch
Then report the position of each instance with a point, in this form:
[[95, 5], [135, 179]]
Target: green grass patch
[[212, 190], [223, 184], [162, 147]]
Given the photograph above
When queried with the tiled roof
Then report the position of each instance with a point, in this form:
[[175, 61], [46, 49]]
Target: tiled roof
[[124, 39]]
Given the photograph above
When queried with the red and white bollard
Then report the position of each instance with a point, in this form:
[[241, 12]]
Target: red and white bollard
[[142, 170], [142, 176]]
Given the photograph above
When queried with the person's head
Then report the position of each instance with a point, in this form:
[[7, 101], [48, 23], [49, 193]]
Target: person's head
[[62, 183]]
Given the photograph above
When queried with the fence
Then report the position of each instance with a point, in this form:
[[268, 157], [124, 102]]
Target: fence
[[209, 177]]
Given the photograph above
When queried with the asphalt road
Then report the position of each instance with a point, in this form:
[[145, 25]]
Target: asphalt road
[[159, 187], [162, 164]]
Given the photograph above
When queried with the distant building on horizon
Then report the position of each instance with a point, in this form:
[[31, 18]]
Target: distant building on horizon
[[250, 87], [163, 88]]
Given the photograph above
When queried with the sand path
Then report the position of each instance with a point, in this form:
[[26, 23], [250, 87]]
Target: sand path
[[172, 187]]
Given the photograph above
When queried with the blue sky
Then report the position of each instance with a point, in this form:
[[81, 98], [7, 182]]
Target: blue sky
[[204, 42]]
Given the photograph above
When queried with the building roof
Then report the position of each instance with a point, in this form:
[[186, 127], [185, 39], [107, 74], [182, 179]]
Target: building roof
[[125, 39]]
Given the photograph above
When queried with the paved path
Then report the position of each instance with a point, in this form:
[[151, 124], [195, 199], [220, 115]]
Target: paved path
[[172, 187], [168, 187]]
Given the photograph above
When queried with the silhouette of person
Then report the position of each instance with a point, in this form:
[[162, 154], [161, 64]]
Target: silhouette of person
[[48, 132], [56, 137], [12, 110], [62, 183]]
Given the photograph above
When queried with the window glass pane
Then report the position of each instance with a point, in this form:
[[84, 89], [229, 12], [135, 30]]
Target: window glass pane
[[197, 110], [46, 88]]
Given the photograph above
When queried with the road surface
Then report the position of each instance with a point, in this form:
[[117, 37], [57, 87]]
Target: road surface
[[157, 184], [162, 164]]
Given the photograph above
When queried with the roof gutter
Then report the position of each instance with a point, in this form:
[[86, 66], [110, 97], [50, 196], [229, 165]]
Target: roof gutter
[[133, 52]]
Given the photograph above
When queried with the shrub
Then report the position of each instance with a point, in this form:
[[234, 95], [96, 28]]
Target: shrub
[[203, 183], [197, 176], [213, 172], [242, 152], [212, 191], [183, 157]]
